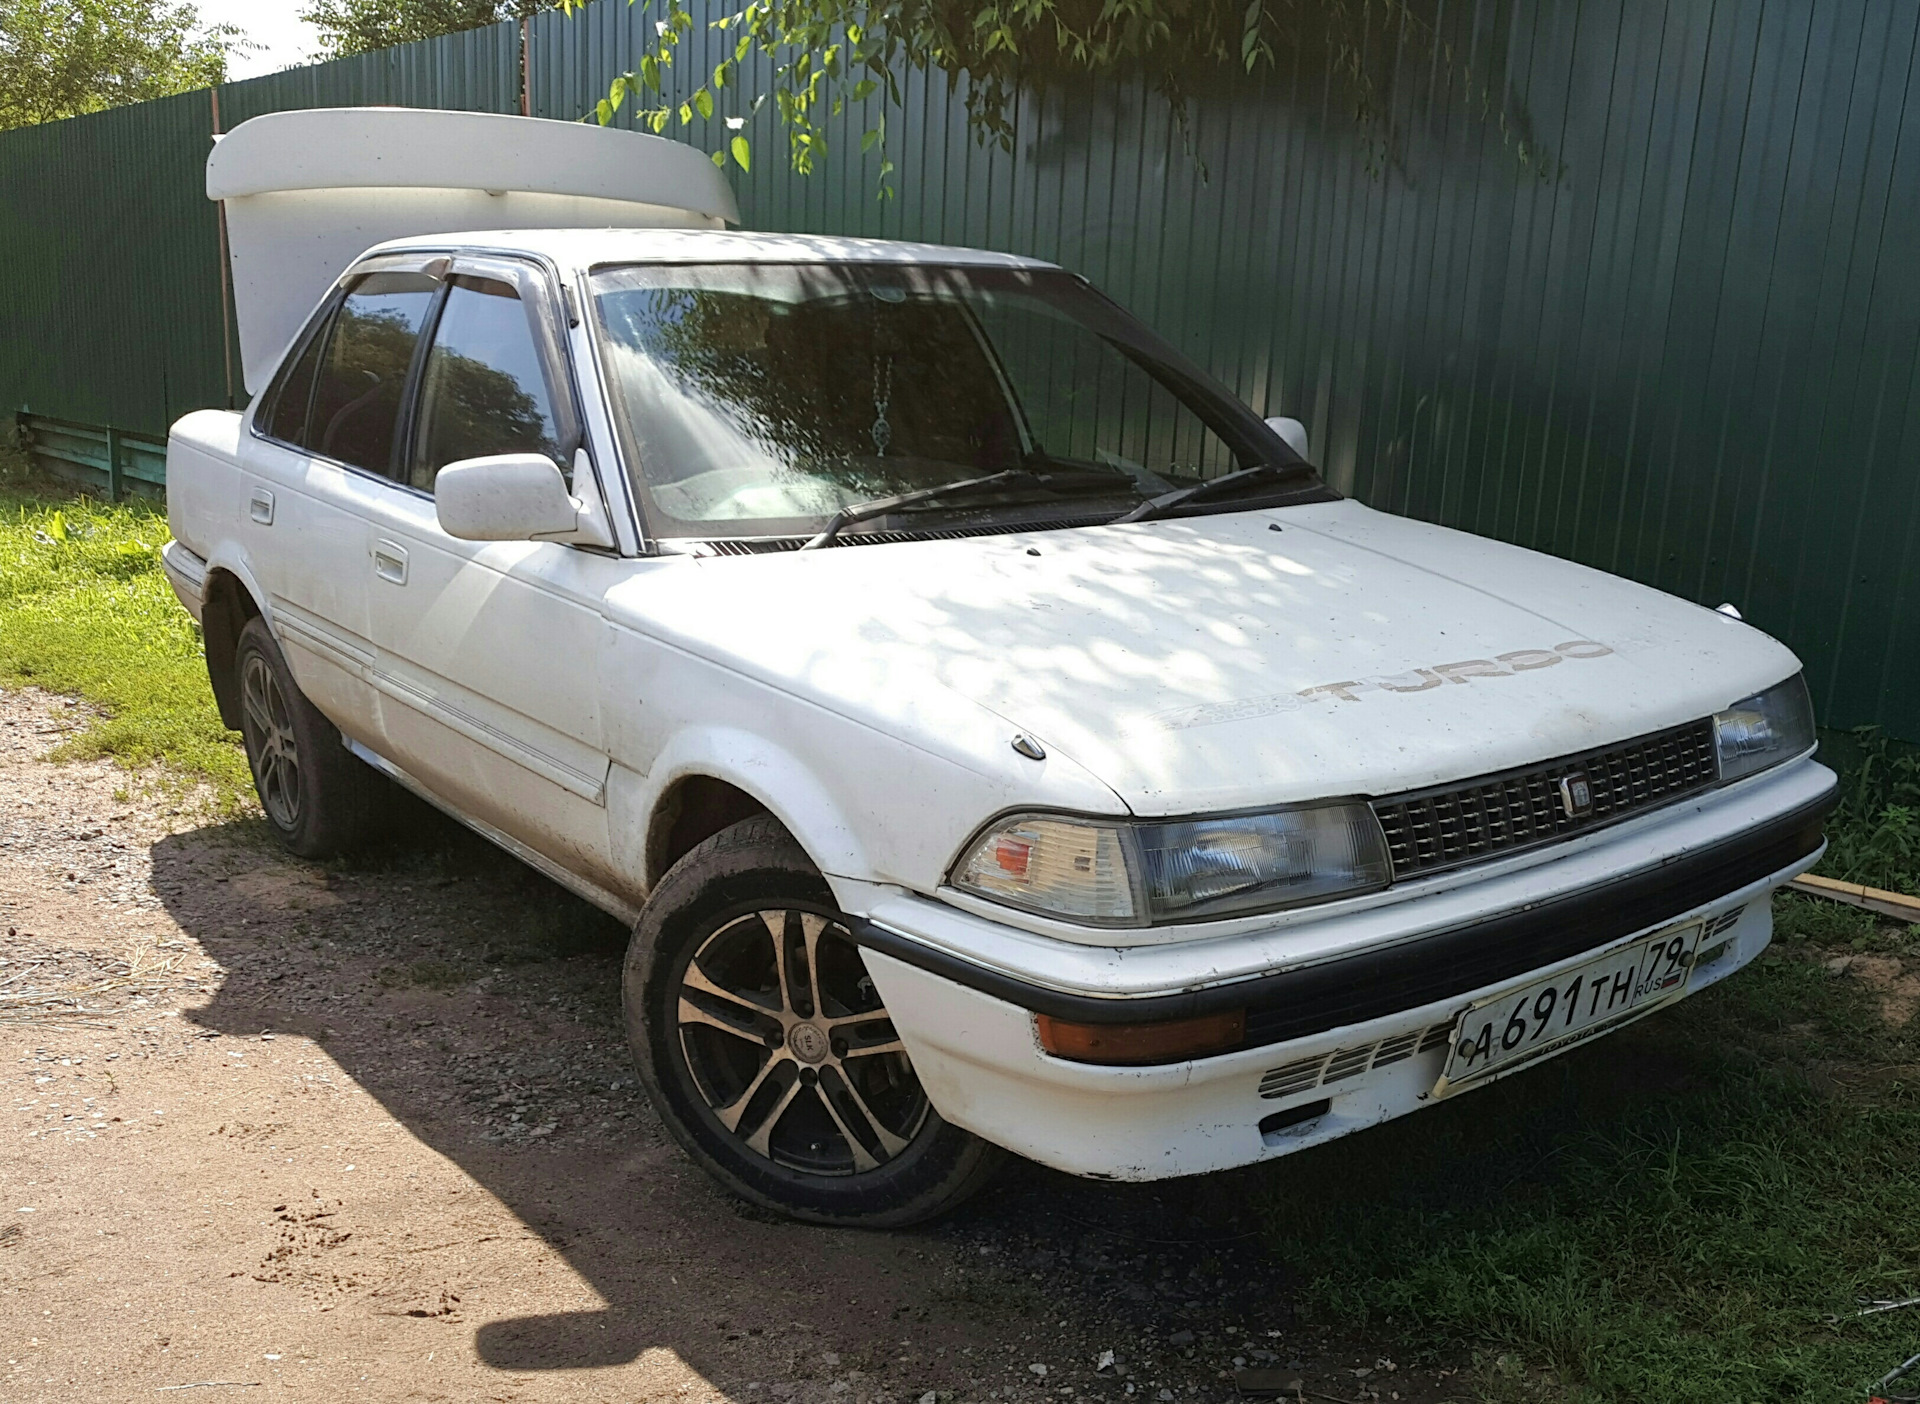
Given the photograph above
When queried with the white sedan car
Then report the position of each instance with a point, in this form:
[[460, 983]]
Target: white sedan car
[[999, 736]]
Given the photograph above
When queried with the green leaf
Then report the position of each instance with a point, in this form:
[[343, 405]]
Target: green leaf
[[604, 111], [703, 100], [867, 141], [686, 114], [650, 72], [742, 153], [863, 88], [720, 159]]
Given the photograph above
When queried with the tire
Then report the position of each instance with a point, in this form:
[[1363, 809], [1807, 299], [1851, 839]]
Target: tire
[[818, 1119], [320, 799]]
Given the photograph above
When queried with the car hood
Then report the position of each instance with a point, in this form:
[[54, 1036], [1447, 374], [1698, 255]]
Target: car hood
[[1229, 661]]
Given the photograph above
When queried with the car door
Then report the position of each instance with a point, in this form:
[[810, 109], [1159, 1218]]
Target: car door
[[487, 653], [321, 447]]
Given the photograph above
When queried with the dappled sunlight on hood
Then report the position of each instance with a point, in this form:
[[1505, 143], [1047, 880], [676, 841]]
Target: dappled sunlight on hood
[[1218, 662]]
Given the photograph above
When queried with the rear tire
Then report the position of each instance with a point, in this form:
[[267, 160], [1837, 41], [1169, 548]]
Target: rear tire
[[320, 799], [767, 1051]]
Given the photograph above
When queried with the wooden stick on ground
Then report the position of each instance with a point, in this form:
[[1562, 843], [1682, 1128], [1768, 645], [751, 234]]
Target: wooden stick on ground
[[1874, 899]]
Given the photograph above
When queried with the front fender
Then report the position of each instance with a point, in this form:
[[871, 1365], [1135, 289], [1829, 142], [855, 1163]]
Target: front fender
[[772, 775], [879, 781]]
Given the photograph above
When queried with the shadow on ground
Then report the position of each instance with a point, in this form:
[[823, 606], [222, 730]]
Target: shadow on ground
[[479, 1004]]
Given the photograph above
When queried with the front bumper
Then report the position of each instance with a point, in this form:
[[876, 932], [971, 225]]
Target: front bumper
[[1362, 1028]]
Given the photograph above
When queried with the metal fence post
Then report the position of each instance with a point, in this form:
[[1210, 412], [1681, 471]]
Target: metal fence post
[[526, 65], [113, 464]]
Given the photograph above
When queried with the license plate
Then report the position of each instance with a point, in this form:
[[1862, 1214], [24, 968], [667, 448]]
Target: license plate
[[1529, 1022]]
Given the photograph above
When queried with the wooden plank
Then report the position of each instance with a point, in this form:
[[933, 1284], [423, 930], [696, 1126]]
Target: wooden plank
[[1874, 899]]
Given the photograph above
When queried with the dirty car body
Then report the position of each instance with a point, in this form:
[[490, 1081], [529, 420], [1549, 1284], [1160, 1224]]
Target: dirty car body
[[1173, 829]]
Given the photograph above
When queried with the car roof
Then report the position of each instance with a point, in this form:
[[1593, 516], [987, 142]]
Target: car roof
[[587, 248]]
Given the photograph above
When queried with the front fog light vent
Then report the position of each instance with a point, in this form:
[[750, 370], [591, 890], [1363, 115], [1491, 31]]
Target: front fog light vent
[[1324, 1068], [1394, 1050], [1348, 1062], [1715, 943], [1726, 921], [1294, 1077]]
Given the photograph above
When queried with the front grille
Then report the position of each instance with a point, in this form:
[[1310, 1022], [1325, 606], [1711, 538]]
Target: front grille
[[1494, 815]]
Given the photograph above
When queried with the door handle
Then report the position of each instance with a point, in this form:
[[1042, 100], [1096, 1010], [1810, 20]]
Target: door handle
[[260, 507], [390, 562]]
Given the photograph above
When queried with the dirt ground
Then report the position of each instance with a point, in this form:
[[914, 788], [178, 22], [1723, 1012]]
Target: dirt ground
[[370, 1131]]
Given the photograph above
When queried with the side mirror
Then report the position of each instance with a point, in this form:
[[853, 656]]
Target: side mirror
[[513, 497], [1292, 433]]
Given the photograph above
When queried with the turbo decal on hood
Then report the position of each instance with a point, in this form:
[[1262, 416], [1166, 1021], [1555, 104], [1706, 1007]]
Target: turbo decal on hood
[[1502, 665]]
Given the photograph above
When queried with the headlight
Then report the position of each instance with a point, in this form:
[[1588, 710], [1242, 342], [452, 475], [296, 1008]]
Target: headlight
[[1765, 729], [1117, 873]]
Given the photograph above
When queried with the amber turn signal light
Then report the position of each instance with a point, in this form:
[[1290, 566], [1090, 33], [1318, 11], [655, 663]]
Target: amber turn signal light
[[1172, 1041]]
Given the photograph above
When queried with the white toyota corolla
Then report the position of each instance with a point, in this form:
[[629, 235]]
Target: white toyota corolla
[[997, 735]]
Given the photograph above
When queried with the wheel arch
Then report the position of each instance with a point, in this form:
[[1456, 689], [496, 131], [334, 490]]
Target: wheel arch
[[226, 605], [691, 809], [705, 780]]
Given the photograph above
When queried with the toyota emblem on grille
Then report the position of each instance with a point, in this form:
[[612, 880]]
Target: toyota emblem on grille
[[1576, 796]]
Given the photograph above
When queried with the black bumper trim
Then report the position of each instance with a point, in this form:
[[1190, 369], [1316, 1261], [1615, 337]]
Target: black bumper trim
[[1295, 1003]]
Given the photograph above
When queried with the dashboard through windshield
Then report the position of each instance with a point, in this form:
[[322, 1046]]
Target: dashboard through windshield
[[759, 399]]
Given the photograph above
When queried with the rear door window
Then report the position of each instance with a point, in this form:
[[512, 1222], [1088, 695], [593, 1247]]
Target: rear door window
[[287, 420], [363, 373], [484, 390]]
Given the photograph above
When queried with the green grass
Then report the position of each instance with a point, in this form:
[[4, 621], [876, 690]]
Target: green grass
[[85, 610], [1875, 834], [1669, 1214]]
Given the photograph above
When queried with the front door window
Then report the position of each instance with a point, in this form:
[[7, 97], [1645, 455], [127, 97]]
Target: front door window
[[483, 391]]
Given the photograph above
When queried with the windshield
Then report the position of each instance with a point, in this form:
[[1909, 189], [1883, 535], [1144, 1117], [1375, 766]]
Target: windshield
[[760, 399]]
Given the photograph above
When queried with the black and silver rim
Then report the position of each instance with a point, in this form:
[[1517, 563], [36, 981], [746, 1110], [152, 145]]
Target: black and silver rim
[[786, 1041], [271, 749]]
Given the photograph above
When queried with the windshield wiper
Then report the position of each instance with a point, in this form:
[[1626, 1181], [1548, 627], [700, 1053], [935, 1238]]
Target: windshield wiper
[[1259, 474], [879, 507]]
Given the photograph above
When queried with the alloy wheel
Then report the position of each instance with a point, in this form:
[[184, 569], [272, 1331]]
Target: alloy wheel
[[788, 1044], [267, 725]]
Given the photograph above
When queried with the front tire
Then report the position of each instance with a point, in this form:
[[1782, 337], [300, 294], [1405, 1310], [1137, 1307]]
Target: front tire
[[320, 799], [766, 1049]]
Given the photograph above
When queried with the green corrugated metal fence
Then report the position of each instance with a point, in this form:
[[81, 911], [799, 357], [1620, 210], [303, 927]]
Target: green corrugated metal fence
[[110, 305], [1688, 355]]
